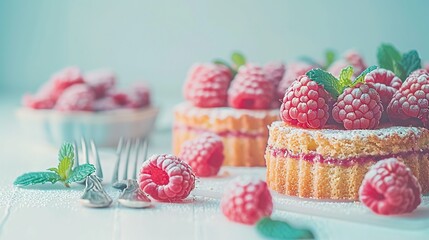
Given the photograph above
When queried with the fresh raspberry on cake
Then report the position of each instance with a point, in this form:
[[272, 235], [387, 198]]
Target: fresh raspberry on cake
[[410, 104], [293, 71], [389, 188], [246, 200], [207, 85], [385, 82], [101, 81], [419, 72], [79, 97], [358, 107], [305, 104], [204, 154], [250, 89], [274, 72], [166, 178]]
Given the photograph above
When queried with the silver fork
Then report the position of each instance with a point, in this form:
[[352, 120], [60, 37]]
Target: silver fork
[[131, 196], [94, 194]]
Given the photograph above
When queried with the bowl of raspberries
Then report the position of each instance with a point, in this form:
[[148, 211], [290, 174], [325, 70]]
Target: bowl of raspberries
[[72, 105]]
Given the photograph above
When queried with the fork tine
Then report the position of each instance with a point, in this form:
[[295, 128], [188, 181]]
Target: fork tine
[[118, 159], [136, 158], [127, 159], [84, 149], [98, 170], [146, 148], [76, 154]]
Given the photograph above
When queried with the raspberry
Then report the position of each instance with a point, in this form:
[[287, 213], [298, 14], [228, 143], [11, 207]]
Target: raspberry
[[293, 71], [250, 89], [246, 200], [105, 103], [101, 81], [204, 154], [351, 58], [62, 80], [274, 72], [385, 82], [305, 104], [166, 178], [137, 97], [419, 72], [411, 101], [38, 102], [426, 66], [207, 85], [358, 107], [389, 187], [79, 97]]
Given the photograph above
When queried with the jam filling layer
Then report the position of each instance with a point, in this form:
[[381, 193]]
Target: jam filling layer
[[225, 133], [314, 157]]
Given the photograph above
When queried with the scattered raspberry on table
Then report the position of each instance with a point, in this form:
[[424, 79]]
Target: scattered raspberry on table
[[390, 188], [204, 154], [166, 178], [246, 200]]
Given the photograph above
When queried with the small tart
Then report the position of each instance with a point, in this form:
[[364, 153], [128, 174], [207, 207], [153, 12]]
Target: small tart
[[243, 132]]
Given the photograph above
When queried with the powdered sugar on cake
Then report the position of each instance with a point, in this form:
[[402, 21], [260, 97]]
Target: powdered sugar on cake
[[223, 112], [382, 132]]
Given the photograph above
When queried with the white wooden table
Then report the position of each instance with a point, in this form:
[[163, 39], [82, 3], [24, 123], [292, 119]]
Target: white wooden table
[[53, 212]]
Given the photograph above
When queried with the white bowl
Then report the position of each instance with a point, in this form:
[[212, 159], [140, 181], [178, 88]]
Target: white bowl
[[105, 128]]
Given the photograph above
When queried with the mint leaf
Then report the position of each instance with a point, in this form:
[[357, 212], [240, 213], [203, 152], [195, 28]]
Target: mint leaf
[[80, 173], [388, 56], [55, 170], [410, 62], [222, 62], [361, 77], [36, 178], [273, 229], [64, 168], [66, 151], [345, 78], [329, 82], [329, 58], [238, 59]]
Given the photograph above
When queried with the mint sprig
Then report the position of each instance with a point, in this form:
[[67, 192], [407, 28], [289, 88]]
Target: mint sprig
[[330, 58], [400, 64], [63, 173], [336, 86], [274, 229], [237, 59]]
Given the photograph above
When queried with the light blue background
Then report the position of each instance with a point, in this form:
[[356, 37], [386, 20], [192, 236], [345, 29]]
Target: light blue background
[[159, 40]]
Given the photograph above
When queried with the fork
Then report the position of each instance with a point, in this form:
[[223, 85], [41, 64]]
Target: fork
[[131, 194], [94, 194]]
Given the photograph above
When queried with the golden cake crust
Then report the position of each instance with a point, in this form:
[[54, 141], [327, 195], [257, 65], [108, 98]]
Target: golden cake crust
[[295, 175], [243, 132], [348, 143]]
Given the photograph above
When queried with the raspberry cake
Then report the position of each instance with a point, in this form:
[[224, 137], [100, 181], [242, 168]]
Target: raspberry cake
[[238, 109], [331, 163], [332, 131]]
